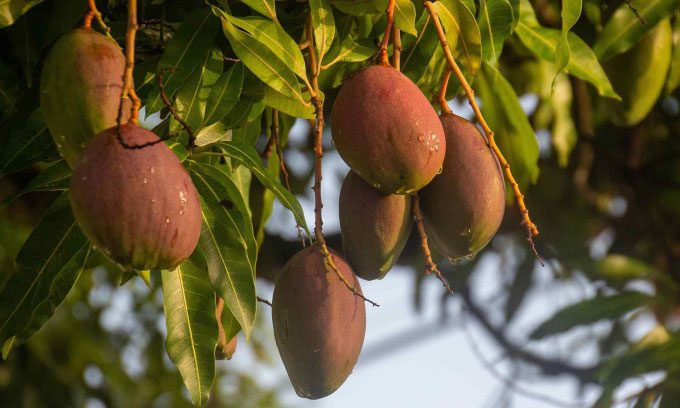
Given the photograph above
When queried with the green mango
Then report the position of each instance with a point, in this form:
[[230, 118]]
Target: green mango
[[80, 89], [639, 74]]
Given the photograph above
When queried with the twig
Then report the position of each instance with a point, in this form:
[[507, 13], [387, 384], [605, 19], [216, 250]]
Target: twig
[[635, 11], [382, 51], [128, 90], [396, 51], [587, 375], [510, 382], [318, 156], [95, 13], [265, 301], [442, 93], [192, 137], [274, 129], [430, 266], [528, 225]]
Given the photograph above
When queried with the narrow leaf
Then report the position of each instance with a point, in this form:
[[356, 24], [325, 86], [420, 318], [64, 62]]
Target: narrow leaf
[[11, 10], [571, 11], [462, 33], [495, 23], [224, 94], [56, 177], [248, 157], [405, 16], [323, 24], [48, 265], [189, 304], [265, 7], [590, 311], [625, 29]]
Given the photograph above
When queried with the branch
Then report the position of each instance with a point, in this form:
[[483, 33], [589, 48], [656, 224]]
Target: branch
[[430, 266], [128, 90], [192, 137], [382, 51], [528, 225], [94, 13], [635, 11], [265, 301], [442, 93], [318, 160], [587, 375]]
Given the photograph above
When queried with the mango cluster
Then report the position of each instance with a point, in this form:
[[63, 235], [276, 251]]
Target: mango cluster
[[395, 145]]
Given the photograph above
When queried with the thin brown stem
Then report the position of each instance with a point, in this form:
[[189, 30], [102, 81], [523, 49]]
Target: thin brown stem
[[318, 164], [528, 225], [265, 301], [396, 51], [128, 88], [382, 53], [192, 137], [274, 129], [442, 93], [430, 266]]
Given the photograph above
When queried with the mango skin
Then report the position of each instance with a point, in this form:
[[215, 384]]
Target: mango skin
[[374, 227], [319, 324], [463, 206], [386, 131], [138, 206], [80, 89], [639, 74]]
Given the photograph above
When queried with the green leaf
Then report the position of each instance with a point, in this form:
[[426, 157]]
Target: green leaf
[[470, 4], [184, 52], [226, 251], [26, 143], [248, 157], [462, 33], [56, 177], [265, 7], [189, 304], [261, 60], [289, 106], [273, 37], [591, 311], [224, 190], [351, 51], [224, 94], [405, 16], [192, 97], [324, 26], [9, 90], [495, 23], [571, 11], [212, 133], [582, 62], [515, 11], [246, 109], [514, 134], [11, 10], [673, 80], [357, 7], [47, 266], [625, 29]]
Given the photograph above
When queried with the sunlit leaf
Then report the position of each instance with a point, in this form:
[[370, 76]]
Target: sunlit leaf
[[405, 16], [265, 7], [582, 62], [462, 33], [571, 11], [495, 23], [324, 26]]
